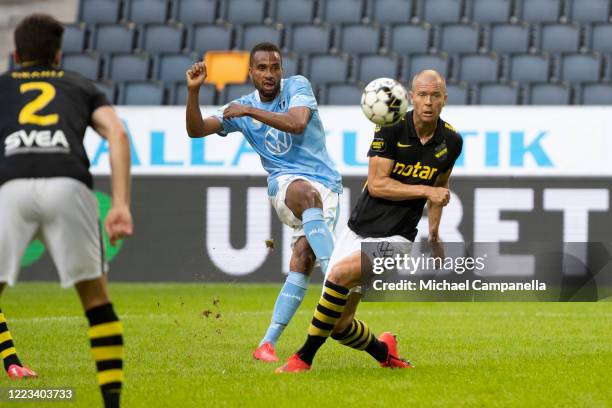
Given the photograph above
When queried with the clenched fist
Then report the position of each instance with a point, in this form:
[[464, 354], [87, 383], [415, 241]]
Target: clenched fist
[[438, 195], [196, 75], [118, 223]]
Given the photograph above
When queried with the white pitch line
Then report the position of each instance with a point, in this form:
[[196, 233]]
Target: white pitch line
[[83, 318], [128, 316]]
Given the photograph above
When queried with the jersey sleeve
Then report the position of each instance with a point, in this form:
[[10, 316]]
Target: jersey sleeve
[[97, 98], [457, 152], [384, 143], [459, 148], [228, 125], [301, 94]]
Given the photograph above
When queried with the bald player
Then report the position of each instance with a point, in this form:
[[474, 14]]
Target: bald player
[[410, 165]]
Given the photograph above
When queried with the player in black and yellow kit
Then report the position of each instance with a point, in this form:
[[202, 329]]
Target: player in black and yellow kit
[[410, 165], [45, 188]]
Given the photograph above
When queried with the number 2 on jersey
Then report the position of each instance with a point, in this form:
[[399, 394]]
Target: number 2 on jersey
[[28, 115]]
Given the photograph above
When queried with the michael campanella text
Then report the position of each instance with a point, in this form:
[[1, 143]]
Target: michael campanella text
[[477, 284]]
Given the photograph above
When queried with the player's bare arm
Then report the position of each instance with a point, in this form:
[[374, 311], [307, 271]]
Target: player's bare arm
[[294, 121], [381, 185], [196, 125], [118, 222], [434, 211]]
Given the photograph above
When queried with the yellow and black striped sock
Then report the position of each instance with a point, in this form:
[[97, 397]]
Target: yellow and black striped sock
[[328, 311], [359, 336], [7, 348], [106, 337]]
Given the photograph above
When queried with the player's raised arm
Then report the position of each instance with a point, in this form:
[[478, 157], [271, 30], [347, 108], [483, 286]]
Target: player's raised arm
[[119, 219], [196, 125]]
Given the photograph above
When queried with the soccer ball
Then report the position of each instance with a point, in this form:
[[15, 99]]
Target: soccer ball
[[384, 101]]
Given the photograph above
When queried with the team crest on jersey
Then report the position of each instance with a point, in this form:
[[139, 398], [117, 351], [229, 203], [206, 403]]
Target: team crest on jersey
[[441, 151], [278, 143], [282, 104]]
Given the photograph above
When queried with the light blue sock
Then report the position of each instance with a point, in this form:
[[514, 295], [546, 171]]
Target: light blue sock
[[288, 301], [318, 235]]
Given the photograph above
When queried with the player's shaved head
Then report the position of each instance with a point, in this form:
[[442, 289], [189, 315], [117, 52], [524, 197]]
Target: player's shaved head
[[428, 76], [428, 95], [38, 38]]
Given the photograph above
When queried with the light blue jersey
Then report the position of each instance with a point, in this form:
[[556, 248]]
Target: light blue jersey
[[284, 153]]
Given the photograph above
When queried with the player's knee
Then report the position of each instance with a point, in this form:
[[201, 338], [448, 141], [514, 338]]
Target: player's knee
[[341, 274], [302, 195], [312, 198]]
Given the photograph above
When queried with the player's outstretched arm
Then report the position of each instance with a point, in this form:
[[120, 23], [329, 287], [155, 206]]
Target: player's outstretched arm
[[294, 121], [381, 185], [118, 221], [196, 125], [434, 210]]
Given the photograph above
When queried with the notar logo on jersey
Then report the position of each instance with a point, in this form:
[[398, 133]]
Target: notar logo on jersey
[[36, 141], [278, 143], [415, 170]]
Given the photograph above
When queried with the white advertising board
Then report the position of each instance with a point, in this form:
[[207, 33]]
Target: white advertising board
[[498, 141]]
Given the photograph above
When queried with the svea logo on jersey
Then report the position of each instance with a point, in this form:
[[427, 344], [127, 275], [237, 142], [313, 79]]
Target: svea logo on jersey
[[36, 141], [278, 143]]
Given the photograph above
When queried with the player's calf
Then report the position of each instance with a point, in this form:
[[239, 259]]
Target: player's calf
[[348, 314], [106, 338], [289, 300]]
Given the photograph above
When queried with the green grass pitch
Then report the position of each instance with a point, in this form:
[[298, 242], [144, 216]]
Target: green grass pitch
[[189, 345]]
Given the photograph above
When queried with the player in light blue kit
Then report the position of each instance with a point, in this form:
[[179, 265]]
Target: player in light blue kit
[[281, 122]]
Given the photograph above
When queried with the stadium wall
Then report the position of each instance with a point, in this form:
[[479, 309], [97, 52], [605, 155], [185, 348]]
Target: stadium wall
[[201, 213]]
